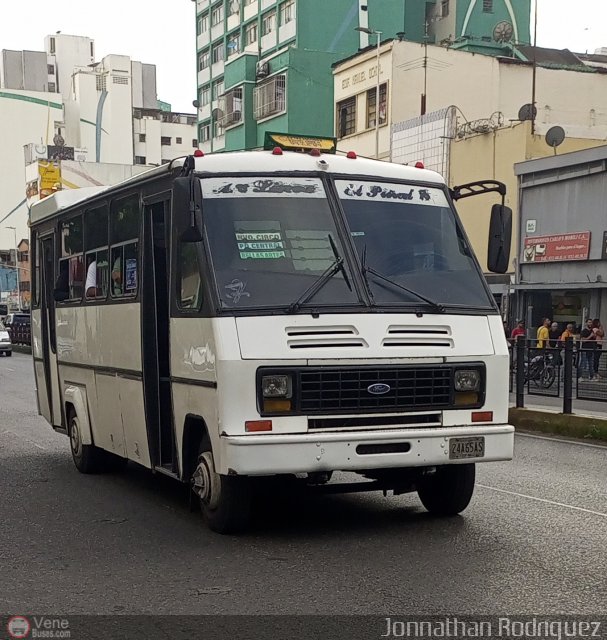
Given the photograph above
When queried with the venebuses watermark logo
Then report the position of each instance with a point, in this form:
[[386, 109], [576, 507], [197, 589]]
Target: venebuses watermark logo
[[20, 627]]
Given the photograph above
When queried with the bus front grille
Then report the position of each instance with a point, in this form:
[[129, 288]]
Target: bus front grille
[[375, 389]]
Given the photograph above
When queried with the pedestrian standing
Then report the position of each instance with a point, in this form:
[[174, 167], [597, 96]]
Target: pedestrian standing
[[599, 334], [554, 342], [588, 347], [543, 334]]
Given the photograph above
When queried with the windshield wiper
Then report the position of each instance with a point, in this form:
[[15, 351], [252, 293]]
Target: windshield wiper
[[323, 278], [439, 308]]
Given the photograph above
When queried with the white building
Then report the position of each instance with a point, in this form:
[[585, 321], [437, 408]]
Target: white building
[[69, 106], [570, 90]]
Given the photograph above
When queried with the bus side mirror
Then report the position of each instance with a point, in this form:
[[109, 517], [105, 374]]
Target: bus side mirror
[[500, 238], [187, 208]]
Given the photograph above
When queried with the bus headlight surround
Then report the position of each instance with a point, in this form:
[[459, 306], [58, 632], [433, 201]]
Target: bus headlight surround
[[467, 380], [277, 386]]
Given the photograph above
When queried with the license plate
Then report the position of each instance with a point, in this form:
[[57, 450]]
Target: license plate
[[466, 448]]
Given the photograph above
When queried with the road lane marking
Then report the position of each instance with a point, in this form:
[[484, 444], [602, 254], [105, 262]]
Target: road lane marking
[[581, 444], [13, 433], [544, 500]]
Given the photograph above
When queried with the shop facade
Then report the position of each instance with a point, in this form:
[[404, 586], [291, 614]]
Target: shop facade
[[562, 249]]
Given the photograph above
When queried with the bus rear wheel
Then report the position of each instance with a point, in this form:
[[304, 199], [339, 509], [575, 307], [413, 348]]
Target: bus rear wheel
[[87, 457], [449, 490], [225, 501]]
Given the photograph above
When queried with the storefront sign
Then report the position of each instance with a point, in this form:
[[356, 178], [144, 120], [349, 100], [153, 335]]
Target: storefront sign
[[531, 226], [557, 248]]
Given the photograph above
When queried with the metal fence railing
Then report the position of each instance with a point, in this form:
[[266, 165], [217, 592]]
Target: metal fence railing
[[570, 370], [20, 333]]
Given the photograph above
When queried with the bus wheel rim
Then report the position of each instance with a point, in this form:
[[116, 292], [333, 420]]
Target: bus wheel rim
[[75, 437], [206, 481]]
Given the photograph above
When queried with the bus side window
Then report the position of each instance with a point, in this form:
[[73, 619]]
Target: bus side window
[[95, 244], [189, 281], [71, 270], [124, 252]]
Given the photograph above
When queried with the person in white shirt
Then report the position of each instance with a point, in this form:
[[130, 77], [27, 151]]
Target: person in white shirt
[[90, 287]]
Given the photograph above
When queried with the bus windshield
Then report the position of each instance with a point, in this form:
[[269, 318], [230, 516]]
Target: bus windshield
[[270, 241], [409, 235]]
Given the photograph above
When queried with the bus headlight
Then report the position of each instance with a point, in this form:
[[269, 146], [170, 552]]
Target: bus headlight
[[276, 386], [467, 380]]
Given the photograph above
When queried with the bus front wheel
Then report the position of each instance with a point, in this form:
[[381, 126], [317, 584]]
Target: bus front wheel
[[225, 501], [87, 457], [449, 490]]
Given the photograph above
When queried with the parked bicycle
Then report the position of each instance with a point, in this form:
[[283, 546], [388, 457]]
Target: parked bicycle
[[541, 370]]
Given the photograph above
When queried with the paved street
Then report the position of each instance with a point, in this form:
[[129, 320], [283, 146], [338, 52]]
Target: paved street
[[533, 540]]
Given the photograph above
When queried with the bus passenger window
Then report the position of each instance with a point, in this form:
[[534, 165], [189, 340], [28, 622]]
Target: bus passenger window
[[71, 269], [124, 270], [124, 236], [189, 287]]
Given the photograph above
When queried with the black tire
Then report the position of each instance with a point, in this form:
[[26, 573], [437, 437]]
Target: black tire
[[86, 457], [448, 491], [225, 501], [9, 354]]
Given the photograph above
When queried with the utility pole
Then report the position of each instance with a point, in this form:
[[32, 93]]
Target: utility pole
[[533, 107], [377, 34], [423, 104]]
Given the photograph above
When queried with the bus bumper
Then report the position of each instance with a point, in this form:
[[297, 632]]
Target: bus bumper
[[350, 451]]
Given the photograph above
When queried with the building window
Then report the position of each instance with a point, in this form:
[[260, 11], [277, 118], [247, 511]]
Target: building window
[[204, 132], [217, 53], [202, 24], [217, 129], [233, 45], [444, 8], [178, 140], [194, 143], [218, 89], [269, 98], [268, 22], [250, 33], [52, 87], [142, 137], [140, 160], [52, 45], [205, 95], [232, 107], [287, 11], [51, 69], [487, 6], [166, 141], [203, 60], [346, 117], [217, 15], [383, 103], [233, 7]]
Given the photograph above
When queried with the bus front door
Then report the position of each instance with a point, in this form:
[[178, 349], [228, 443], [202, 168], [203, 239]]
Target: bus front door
[[155, 316], [47, 377]]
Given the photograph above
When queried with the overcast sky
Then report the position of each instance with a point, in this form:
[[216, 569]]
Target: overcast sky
[[162, 32]]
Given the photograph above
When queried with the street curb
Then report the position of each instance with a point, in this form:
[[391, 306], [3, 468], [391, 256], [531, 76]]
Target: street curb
[[570, 426], [21, 348]]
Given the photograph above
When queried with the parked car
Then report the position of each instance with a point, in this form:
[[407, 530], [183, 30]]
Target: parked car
[[20, 328], [6, 347]]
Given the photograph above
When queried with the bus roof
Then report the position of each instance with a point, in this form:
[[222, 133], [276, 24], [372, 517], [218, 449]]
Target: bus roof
[[247, 162]]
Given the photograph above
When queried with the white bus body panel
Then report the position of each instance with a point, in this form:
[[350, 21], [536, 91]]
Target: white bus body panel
[[228, 351]]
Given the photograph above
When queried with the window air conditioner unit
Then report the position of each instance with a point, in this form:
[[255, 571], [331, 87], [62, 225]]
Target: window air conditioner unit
[[262, 70]]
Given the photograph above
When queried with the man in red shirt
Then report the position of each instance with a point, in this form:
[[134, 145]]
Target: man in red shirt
[[519, 330]]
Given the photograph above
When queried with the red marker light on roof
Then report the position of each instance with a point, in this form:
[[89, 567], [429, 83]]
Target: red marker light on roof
[[198, 153], [351, 155], [419, 165], [315, 152], [277, 151]]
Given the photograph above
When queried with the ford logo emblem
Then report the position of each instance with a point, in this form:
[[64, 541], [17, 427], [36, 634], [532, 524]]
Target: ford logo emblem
[[378, 389]]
